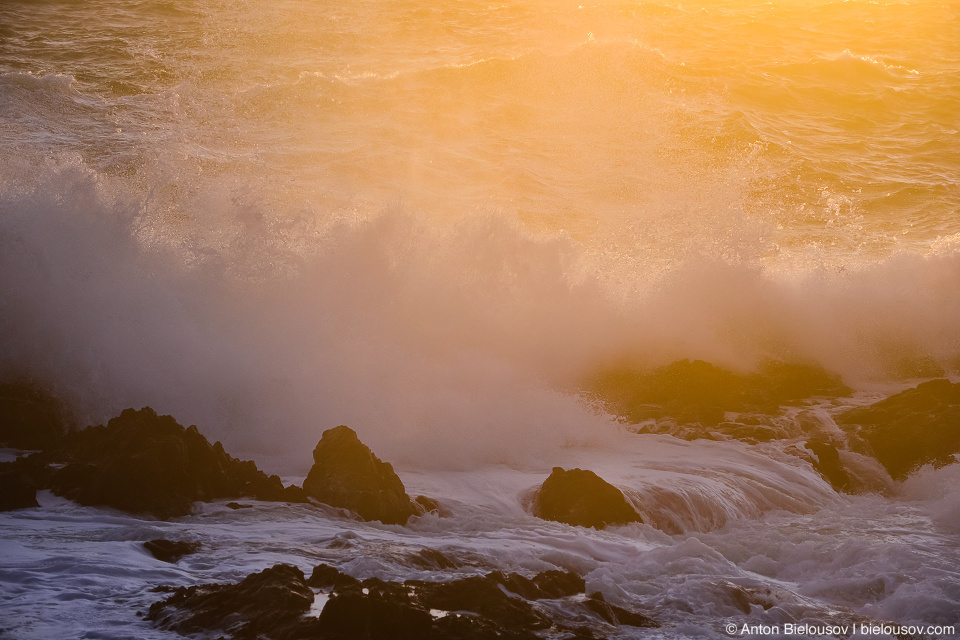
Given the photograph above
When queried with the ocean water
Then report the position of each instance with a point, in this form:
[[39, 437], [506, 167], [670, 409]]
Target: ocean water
[[430, 221]]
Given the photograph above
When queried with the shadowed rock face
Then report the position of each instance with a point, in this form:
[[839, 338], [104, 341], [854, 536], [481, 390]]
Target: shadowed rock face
[[916, 427], [347, 474], [144, 463], [262, 603], [580, 497], [497, 606]]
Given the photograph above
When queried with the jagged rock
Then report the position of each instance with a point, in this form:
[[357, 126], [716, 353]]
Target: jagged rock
[[432, 559], [481, 595], [170, 550], [31, 418], [827, 463], [144, 463], [701, 392], [17, 490], [617, 615], [347, 474], [326, 577], [268, 603], [916, 427], [580, 497]]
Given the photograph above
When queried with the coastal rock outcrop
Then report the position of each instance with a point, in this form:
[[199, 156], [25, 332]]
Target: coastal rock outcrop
[[347, 474], [144, 463], [264, 604], [581, 497], [497, 606], [699, 392], [915, 427]]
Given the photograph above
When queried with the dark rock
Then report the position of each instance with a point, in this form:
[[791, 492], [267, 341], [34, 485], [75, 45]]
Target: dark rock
[[355, 615], [144, 463], [432, 559], [347, 474], [423, 504], [558, 584], [270, 606], [910, 429], [701, 392], [326, 577], [17, 490], [170, 550], [613, 614], [827, 464], [31, 418], [236, 505], [582, 498], [481, 595], [269, 603]]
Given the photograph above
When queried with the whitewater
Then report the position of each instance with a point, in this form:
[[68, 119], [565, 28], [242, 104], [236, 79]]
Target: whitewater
[[433, 221]]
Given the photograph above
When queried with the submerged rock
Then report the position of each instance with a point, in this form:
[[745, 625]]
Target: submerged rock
[[910, 429], [347, 474], [144, 463], [271, 605], [580, 497], [170, 550]]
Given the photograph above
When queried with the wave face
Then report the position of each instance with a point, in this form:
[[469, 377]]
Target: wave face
[[433, 222]]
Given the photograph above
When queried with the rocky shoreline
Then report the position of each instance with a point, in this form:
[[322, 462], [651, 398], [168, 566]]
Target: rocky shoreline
[[151, 466]]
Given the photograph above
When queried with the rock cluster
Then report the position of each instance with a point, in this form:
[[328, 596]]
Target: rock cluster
[[273, 604], [145, 463]]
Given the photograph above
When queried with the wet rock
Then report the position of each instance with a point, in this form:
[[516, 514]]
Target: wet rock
[[326, 577], [17, 490], [827, 463], [144, 463], [359, 615], [423, 504], [615, 615], [237, 506], [910, 429], [268, 604], [31, 418], [582, 498], [432, 559], [481, 595], [700, 392], [347, 474], [170, 550]]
